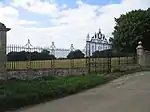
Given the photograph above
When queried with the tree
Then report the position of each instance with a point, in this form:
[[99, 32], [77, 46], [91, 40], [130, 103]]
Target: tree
[[111, 40], [45, 55], [45, 51], [77, 54], [130, 28], [17, 56], [99, 54], [24, 56], [109, 53]]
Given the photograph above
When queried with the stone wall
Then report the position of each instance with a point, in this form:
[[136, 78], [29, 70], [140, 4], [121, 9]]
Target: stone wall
[[3, 38], [33, 74], [146, 55]]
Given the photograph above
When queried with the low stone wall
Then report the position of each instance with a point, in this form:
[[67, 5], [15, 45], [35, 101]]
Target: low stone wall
[[33, 74], [123, 68], [146, 60]]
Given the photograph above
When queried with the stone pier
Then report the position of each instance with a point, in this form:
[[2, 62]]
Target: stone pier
[[3, 39]]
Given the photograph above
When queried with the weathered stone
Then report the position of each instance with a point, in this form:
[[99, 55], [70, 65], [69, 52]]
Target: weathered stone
[[35, 74], [3, 39]]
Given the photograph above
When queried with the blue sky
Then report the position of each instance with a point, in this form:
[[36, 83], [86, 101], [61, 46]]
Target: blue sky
[[43, 18], [70, 3], [63, 21]]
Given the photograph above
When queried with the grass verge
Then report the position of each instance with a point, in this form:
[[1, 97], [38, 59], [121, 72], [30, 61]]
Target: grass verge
[[16, 94]]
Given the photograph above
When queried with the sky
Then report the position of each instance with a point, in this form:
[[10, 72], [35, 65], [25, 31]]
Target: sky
[[65, 22]]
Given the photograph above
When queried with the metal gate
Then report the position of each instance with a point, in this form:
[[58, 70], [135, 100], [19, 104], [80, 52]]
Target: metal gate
[[98, 54]]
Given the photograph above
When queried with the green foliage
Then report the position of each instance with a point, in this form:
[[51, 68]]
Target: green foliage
[[101, 54], [77, 54], [24, 56], [130, 28], [110, 53], [15, 94]]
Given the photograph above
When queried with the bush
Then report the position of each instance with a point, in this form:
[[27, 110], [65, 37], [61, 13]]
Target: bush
[[15, 94]]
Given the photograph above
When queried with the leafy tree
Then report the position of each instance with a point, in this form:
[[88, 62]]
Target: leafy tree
[[109, 53], [24, 56], [77, 54], [45, 51], [45, 55], [111, 40], [104, 53], [17, 56], [130, 28]]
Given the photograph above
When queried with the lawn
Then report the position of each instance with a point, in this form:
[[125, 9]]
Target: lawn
[[16, 94], [67, 63]]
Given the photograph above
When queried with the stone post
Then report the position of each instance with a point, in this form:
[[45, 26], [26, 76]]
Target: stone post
[[3, 38], [140, 54]]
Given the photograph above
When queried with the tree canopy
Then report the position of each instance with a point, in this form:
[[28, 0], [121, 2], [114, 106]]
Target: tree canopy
[[100, 54], [130, 28], [77, 54], [24, 56], [109, 53]]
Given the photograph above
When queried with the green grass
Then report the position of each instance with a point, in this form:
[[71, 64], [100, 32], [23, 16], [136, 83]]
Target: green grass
[[16, 94], [78, 63]]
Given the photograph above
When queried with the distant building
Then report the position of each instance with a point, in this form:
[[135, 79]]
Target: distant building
[[96, 43], [60, 52]]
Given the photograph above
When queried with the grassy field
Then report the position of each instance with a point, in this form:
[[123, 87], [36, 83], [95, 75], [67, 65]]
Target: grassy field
[[66, 63]]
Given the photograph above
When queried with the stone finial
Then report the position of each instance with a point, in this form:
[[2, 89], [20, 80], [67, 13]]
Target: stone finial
[[53, 46], [71, 47], [139, 45], [28, 44]]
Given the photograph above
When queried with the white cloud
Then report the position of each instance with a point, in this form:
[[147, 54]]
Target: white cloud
[[10, 16], [72, 25], [25, 22], [46, 7]]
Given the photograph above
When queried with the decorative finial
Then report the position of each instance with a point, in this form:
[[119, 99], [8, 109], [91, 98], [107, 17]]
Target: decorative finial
[[88, 37], [28, 44], [99, 31], [71, 47], [52, 43], [139, 43], [95, 35], [52, 50], [53, 46]]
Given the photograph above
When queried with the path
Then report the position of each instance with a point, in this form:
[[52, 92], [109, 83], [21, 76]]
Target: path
[[126, 94]]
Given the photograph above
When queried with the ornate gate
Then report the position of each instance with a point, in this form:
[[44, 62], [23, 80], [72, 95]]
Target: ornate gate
[[98, 54]]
